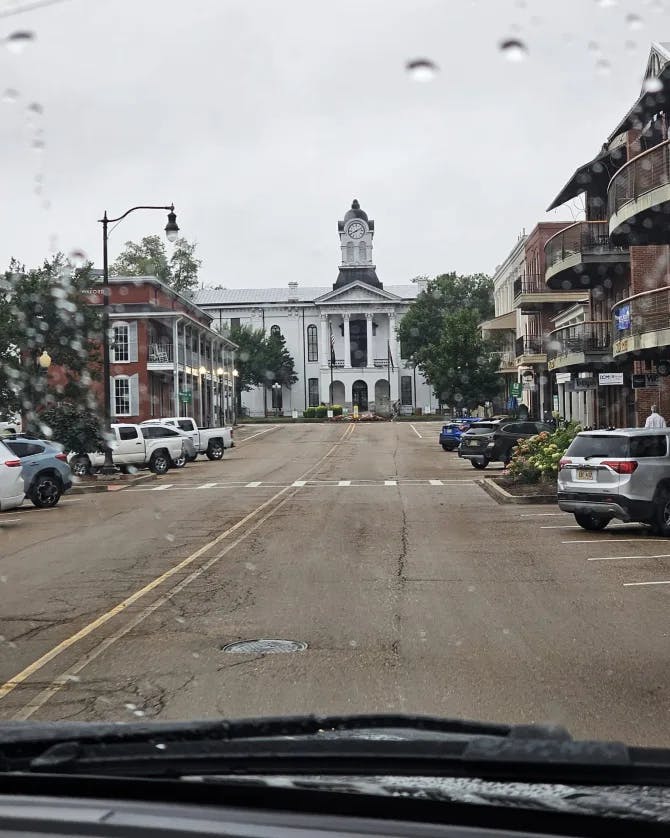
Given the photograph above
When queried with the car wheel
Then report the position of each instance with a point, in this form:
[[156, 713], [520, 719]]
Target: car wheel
[[81, 466], [192, 458], [591, 522], [662, 514], [179, 462], [215, 451], [445, 447], [478, 465], [45, 491], [159, 462]]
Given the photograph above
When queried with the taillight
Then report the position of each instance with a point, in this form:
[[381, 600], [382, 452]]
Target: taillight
[[621, 466], [563, 462], [61, 456], [13, 463]]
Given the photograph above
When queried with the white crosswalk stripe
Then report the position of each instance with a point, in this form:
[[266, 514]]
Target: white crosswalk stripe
[[344, 483], [390, 483], [162, 488], [254, 484]]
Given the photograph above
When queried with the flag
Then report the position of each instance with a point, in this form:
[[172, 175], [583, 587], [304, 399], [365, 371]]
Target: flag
[[332, 345], [390, 357]]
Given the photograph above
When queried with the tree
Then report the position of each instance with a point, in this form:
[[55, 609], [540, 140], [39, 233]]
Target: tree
[[261, 360], [149, 258], [280, 366], [47, 310], [441, 333]]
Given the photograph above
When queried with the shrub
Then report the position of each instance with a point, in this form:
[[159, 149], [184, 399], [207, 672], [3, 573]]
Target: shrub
[[537, 458], [309, 412], [337, 409], [76, 428], [321, 411]]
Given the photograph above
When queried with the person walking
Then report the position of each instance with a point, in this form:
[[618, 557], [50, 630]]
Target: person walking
[[655, 420]]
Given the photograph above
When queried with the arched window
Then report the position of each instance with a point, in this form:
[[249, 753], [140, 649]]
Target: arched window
[[312, 344], [275, 331], [362, 253], [350, 252]]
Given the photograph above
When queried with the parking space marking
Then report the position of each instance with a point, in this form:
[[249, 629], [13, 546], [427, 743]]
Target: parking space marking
[[639, 540], [618, 558], [254, 484], [543, 514], [299, 483], [344, 483], [390, 483], [415, 431], [637, 584], [207, 486], [247, 438], [162, 488]]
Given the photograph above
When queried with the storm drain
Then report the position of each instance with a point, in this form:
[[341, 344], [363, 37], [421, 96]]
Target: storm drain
[[264, 647]]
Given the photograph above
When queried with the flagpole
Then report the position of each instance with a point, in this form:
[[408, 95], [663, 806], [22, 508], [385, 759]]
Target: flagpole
[[332, 362], [388, 369]]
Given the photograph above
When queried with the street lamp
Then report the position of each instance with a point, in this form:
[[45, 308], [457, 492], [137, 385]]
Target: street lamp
[[219, 374], [277, 389], [235, 376], [171, 231], [44, 360]]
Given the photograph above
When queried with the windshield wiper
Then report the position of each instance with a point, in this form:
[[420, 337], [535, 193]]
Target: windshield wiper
[[361, 745]]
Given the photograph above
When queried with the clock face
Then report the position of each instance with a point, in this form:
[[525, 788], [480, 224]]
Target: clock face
[[356, 230]]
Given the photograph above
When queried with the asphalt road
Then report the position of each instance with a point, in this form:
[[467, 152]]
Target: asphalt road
[[413, 590]]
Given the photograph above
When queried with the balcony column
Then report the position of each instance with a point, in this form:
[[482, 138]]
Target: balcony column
[[371, 353], [325, 350], [395, 355], [347, 341], [175, 365]]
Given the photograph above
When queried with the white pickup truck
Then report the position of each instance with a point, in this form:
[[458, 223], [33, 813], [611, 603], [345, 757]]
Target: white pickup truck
[[209, 441], [131, 448]]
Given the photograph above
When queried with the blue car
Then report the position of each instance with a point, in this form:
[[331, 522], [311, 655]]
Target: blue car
[[450, 435], [46, 474]]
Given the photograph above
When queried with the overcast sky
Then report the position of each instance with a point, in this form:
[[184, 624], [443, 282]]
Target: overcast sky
[[262, 119]]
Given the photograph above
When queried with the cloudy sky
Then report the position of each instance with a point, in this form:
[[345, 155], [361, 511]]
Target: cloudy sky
[[261, 120]]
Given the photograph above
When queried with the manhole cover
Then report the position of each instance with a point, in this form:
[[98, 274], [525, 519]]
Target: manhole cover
[[265, 647]]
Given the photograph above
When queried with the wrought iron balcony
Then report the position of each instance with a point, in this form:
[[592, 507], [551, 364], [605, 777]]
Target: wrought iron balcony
[[641, 324], [160, 353], [581, 256], [531, 294], [639, 198], [579, 344], [530, 349]]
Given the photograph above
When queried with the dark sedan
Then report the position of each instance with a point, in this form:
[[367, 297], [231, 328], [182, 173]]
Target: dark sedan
[[493, 441]]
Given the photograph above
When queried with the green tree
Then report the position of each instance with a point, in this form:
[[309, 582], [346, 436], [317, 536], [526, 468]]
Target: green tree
[[149, 258], [280, 366], [441, 332], [261, 360]]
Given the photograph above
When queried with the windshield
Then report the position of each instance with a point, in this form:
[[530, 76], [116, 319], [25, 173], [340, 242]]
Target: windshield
[[306, 238]]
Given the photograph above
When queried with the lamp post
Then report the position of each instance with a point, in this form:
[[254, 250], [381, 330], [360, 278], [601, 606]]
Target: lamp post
[[412, 362], [276, 387], [235, 376], [171, 233], [219, 374]]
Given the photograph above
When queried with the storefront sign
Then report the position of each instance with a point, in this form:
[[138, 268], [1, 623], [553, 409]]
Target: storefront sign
[[622, 317], [516, 389], [582, 384], [563, 377], [555, 403], [610, 378], [645, 379], [185, 396], [624, 345]]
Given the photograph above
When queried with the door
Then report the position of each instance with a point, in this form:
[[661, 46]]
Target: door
[[130, 444], [30, 455], [188, 427], [359, 394]]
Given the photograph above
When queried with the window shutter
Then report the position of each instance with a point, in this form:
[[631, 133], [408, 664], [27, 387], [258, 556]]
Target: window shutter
[[134, 384], [112, 397], [132, 341]]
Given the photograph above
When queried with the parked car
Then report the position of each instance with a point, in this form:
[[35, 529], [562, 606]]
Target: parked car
[[209, 441], [622, 474], [451, 433], [44, 469], [12, 487], [493, 441], [10, 426], [131, 448], [157, 430]]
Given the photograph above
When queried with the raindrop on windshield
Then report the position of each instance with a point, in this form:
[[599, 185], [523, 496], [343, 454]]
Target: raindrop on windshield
[[77, 258], [35, 107], [603, 67], [422, 69], [634, 21], [606, 4], [513, 49], [38, 144], [10, 95], [652, 85], [18, 41]]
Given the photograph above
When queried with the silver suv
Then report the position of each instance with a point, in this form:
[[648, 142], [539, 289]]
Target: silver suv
[[622, 474]]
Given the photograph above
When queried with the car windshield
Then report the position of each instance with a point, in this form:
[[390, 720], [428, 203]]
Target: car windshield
[[322, 249]]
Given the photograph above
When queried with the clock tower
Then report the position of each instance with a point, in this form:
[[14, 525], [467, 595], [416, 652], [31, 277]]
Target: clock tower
[[356, 233]]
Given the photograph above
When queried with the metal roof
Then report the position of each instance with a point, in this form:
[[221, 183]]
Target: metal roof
[[256, 296]]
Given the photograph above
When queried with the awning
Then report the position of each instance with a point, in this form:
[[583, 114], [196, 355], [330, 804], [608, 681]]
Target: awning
[[503, 321]]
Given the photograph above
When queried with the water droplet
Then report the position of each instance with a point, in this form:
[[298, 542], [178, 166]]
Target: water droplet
[[130, 706], [169, 536], [422, 69], [10, 95], [594, 46], [19, 40], [471, 589], [634, 21], [652, 85], [250, 566], [505, 631], [180, 619], [161, 746], [38, 144], [514, 49], [3, 579], [603, 67], [139, 713], [77, 258], [606, 4], [46, 205], [75, 679], [36, 108], [196, 654]]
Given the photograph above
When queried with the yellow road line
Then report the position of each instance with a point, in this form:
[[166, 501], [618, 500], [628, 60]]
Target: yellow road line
[[42, 661]]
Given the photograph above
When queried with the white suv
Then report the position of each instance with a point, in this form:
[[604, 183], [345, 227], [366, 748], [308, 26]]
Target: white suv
[[622, 474]]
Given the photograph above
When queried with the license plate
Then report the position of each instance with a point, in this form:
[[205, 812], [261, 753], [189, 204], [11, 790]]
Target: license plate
[[473, 443], [585, 474]]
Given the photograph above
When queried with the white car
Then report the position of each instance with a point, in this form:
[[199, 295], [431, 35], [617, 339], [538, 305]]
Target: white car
[[12, 488], [131, 448]]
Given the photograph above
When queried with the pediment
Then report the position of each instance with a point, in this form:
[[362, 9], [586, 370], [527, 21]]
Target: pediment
[[357, 292]]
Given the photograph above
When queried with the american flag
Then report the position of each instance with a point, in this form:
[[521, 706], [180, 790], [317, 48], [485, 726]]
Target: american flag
[[332, 344]]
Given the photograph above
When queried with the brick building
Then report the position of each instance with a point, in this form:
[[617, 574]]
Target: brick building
[[165, 357]]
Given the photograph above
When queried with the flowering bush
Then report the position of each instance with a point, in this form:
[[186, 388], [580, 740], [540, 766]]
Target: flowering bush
[[537, 458]]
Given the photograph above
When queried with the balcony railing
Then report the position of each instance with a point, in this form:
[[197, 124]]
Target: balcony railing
[[640, 314], [590, 336], [590, 237], [506, 357], [640, 175], [529, 284], [529, 345], [161, 353]]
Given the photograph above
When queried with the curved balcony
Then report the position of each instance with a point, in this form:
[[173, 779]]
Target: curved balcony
[[639, 199], [641, 324], [529, 349], [581, 256], [580, 344], [531, 295]]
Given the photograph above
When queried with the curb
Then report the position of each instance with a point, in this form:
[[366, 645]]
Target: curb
[[116, 486], [500, 495]]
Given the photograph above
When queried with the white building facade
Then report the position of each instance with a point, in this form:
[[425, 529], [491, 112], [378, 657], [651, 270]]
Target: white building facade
[[343, 338]]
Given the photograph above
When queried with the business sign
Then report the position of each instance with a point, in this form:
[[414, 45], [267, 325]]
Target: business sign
[[563, 377], [645, 379], [186, 396], [582, 384], [610, 378], [622, 317], [516, 389]]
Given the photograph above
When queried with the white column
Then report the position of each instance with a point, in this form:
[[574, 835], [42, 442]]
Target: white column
[[371, 354], [347, 342], [325, 349], [395, 355]]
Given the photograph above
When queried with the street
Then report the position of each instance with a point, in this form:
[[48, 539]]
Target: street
[[413, 589]]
